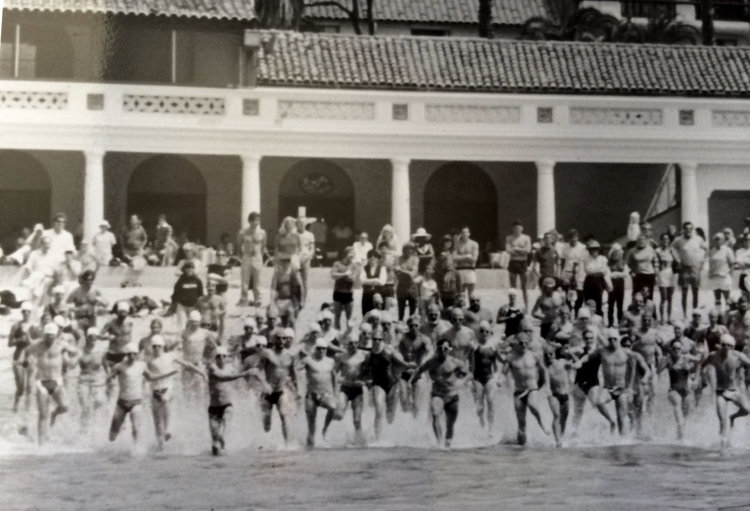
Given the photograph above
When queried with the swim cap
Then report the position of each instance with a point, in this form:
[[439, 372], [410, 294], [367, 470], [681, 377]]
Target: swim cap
[[584, 313], [123, 306], [92, 331], [321, 343], [287, 332], [728, 340], [26, 307], [221, 350], [261, 341], [413, 320], [157, 340], [130, 348], [61, 321], [249, 322], [58, 290]]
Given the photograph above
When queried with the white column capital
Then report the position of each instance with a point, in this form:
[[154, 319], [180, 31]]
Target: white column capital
[[250, 159], [94, 154], [689, 167], [545, 166], [400, 164]]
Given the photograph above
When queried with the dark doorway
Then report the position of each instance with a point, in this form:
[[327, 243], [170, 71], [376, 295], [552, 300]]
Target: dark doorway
[[322, 187], [461, 194], [173, 186], [728, 208], [24, 195]]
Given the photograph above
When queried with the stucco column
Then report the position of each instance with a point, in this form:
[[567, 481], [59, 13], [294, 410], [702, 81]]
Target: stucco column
[[250, 185], [400, 200], [689, 193], [545, 196], [93, 193]]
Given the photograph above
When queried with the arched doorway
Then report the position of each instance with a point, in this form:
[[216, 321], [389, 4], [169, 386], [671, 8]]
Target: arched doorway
[[320, 186], [459, 194], [728, 208], [171, 185], [24, 195]]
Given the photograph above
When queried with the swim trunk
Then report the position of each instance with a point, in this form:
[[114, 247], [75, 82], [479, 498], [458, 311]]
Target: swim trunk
[[115, 358], [614, 392], [518, 267], [273, 397], [217, 412], [343, 297], [126, 405], [352, 392], [448, 401], [688, 277], [586, 386], [482, 376], [160, 395], [50, 386], [314, 400], [384, 384], [406, 375], [682, 391]]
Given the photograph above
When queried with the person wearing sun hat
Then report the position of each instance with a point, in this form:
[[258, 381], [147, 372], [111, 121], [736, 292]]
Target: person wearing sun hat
[[423, 248]]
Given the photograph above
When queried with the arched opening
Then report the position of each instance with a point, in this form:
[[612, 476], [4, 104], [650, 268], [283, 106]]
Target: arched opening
[[728, 208], [322, 188], [173, 186], [24, 195], [461, 194]]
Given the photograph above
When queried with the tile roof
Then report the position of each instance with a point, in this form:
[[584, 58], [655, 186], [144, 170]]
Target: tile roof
[[482, 65], [211, 9], [505, 12]]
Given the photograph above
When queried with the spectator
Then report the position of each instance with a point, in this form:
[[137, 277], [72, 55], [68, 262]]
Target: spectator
[[102, 243]]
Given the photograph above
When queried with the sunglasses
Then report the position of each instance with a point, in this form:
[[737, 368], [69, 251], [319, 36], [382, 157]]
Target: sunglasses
[[377, 338], [483, 331]]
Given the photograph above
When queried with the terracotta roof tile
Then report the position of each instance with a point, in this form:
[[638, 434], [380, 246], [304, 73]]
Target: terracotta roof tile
[[505, 12], [470, 64], [212, 9]]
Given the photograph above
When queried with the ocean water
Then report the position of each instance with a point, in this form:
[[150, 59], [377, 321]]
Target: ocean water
[[405, 469]]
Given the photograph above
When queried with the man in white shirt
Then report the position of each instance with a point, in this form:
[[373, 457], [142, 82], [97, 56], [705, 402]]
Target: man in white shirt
[[465, 258], [102, 243], [573, 274], [690, 253], [361, 247], [60, 240]]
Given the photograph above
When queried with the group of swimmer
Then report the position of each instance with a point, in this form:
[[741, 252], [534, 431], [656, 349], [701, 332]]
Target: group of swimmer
[[378, 360]]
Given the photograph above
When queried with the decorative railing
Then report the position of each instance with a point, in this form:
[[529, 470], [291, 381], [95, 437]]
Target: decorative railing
[[33, 100]]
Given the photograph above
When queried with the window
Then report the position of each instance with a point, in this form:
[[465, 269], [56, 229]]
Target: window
[[431, 32], [731, 10], [35, 51]]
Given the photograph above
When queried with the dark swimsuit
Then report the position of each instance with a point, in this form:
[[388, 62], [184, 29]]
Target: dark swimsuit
[[380, 369], [273, 397], [115, 358], [482, 367], [158, 394], [126, 405], [217, 412], [587, 376], [352, 392]]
